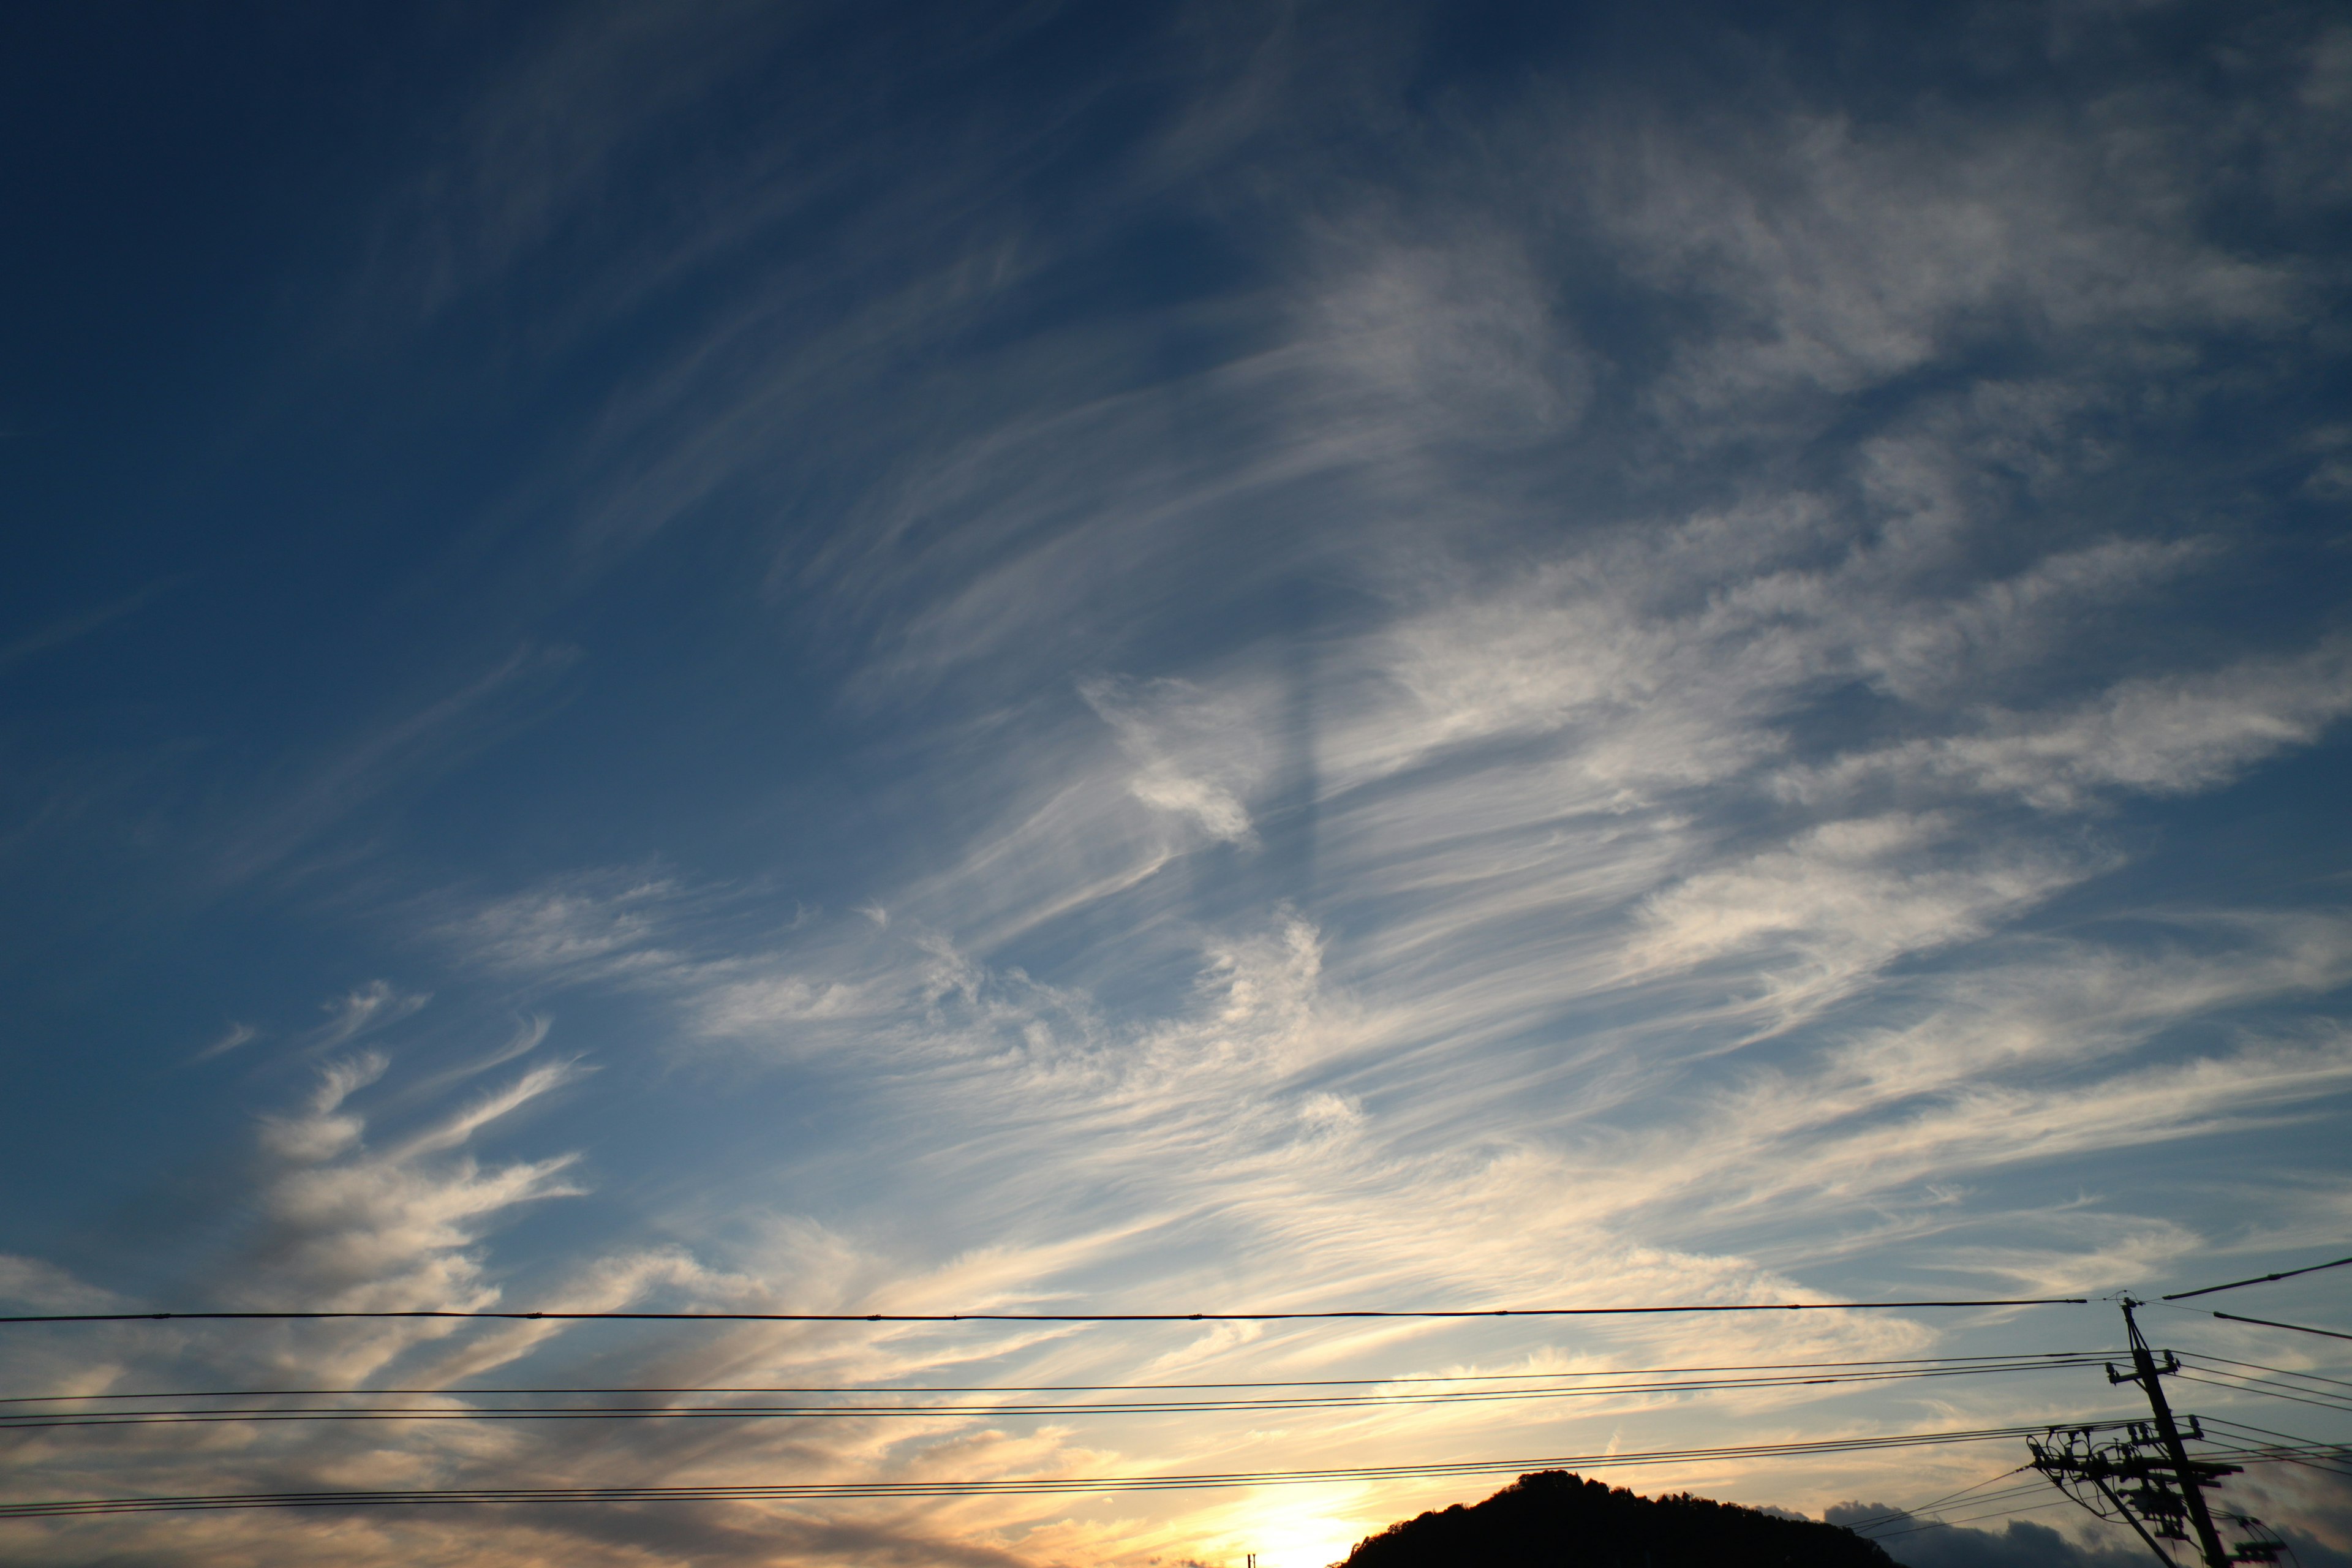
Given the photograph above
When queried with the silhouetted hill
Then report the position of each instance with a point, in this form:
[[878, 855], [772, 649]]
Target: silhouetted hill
[[1554, 1519]]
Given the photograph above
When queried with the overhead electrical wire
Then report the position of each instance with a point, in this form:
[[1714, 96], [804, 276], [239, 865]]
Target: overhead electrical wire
[[1563, 1388], [1925, 1508], [2010, 1509], [2335, 1459], [2257, 1279], [2200, 1357], [2265, 1322], [2232, 1375], [1045, 1317], [2009, 1493], [1992, 1505], [2330, 1398], [2297, 1328], [2326, 1387], [2237, 1426], [1927, 1512], [2313, 1443], [2011, 1512], [1912, 1520], [2058, 1358], [2012, 1505], [1026, 1486], [2249, 1387]]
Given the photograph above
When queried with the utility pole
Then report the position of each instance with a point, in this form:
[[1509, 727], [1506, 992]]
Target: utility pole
[[2146, 1477], [2194, 1478]]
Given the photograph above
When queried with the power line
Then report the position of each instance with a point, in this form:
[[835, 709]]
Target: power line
[[2312, 1443], [2266, 1393], [2333, 1397], [2053, 1358], [2289, 1449], [1014, 1487], [1988, 1506], [2298, 1328], [2011, 1506], [2257, 1279], [1924, 1510], [1932, 1505], [2009, 1512], [21, 1419], [1046, 1317], [2199, 1356]]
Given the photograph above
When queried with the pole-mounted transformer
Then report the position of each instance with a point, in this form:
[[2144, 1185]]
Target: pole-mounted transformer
[[2146, 1477]]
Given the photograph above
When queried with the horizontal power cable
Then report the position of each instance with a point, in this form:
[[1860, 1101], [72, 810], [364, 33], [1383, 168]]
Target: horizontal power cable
[[2333, 1462], [2312, 1444], [2283, 1447], [2257, 1279], [1027, 1486], [2002, 1506], [1949, 1505], [2010, 1511], [2233, 1424], [1048, 1317], [2297, 1328], [1788, 1374], [2222, 1378], [1893, 1524], [2054, 1358], [21, 1420], [2200, 1358], [2248, 1386], [2326, 1463], [1929, 1507]]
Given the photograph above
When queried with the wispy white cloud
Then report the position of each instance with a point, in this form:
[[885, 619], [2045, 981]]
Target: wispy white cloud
[[1813, 919], [1846, 255], [363, 1010], [231, 1038], [358, 1227], [1184, 750], [2172, 735], [581, 926]]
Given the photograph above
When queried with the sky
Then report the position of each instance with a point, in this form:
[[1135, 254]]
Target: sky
[[1169, 657]]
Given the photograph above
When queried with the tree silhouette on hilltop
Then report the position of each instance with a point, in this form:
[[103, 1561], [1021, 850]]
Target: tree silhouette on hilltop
[[1555, 1520]]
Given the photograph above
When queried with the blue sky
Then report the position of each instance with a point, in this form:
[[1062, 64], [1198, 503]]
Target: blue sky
[[808, 658]]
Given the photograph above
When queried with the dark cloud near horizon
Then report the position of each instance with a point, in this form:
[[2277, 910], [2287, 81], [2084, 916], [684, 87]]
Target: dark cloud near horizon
[[2023, 1544]]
